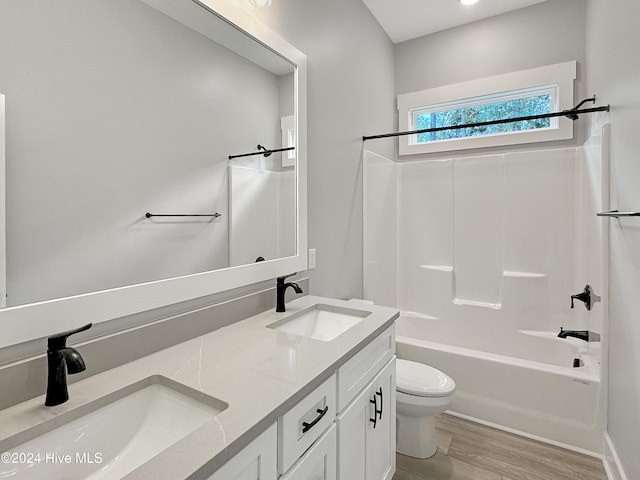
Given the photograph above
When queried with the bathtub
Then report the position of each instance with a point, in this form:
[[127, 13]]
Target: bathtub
[[524, 383]]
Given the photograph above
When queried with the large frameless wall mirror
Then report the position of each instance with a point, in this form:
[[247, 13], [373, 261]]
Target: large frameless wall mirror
[[120, 120]]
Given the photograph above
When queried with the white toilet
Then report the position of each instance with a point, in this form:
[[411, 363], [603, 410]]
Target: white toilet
[[421, 393]]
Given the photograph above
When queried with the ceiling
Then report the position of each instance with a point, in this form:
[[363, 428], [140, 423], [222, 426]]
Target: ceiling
[[407, 19]]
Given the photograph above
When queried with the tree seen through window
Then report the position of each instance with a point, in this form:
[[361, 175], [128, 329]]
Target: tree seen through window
[[483, 113]]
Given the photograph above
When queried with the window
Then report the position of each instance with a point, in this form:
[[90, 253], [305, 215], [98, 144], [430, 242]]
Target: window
[[517, 103], [525, 93]]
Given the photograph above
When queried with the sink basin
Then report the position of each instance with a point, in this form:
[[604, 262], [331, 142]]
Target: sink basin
[[118, 434], [322, 322]]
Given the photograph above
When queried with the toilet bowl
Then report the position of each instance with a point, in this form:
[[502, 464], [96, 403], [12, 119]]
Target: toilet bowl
[[421, 392]]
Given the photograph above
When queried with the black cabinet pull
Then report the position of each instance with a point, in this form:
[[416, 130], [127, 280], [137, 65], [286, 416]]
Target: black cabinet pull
[[379, 412], [308, 426], [374, 420]]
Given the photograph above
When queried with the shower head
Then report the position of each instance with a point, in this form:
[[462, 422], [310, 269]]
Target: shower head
[[267, 151], [574, 116]]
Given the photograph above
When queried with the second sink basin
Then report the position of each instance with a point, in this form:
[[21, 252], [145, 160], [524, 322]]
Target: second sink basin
[[321, 322], [115, 436]]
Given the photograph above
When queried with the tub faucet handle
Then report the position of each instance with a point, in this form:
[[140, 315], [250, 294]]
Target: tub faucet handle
[[584, 296]]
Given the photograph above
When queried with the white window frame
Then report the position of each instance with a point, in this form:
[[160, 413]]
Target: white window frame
[[490, 90]]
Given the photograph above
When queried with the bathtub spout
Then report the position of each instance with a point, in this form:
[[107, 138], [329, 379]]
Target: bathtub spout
[[581, 334]]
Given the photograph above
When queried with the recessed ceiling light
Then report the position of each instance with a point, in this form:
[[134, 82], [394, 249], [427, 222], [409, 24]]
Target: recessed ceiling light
[[468, 2], [262, 3]]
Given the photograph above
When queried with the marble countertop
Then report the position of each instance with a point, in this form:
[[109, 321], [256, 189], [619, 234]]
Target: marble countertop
[[260, 372]]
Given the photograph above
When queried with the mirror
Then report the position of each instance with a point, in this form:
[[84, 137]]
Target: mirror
[[120, 121]]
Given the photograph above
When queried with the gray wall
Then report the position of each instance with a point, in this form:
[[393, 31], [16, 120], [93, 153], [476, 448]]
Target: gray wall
[[613, 72], [542, 34], [113, 110], [350, 94], [285, 95]]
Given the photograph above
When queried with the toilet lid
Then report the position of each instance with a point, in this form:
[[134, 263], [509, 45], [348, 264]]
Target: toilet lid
[[422, 380]]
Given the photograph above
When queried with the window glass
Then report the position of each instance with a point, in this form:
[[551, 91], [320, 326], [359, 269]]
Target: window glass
[[483, 109]]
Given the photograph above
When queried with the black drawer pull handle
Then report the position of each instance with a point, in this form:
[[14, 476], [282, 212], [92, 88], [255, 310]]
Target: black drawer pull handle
[[379, 412], [308, 426]]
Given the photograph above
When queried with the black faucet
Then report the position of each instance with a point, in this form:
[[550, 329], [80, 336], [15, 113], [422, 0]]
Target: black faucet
[[584, 296], [281, 288], [60, 360], [581, 334]]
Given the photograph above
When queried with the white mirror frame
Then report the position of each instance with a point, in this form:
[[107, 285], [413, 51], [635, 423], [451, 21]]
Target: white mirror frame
[[39, 320]]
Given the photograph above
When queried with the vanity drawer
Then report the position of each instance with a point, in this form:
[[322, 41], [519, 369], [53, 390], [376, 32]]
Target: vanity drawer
[[354, 375], [304, 423]]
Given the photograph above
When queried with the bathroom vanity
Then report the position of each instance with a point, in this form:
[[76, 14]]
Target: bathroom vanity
[[291, 395]]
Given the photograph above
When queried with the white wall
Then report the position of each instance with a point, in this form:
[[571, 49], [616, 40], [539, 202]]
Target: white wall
[[83, 166], [613, 72], [350, 94]]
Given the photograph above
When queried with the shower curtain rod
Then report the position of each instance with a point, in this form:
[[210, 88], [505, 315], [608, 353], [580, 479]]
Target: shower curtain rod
[[262, 151], [572, 114]]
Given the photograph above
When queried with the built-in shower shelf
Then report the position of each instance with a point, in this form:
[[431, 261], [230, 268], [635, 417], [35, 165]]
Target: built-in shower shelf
[[508, 273], [439, 268], [476, 303], [422, 316]]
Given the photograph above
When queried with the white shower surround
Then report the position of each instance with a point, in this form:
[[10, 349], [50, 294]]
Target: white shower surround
[[261, 206], [482, 261]]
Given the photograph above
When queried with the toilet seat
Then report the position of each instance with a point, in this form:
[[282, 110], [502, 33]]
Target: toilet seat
[[421, 380]]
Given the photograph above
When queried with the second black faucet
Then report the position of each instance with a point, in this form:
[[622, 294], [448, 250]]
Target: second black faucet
[[281, 288]]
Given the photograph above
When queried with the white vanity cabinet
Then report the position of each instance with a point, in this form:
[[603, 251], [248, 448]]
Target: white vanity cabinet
[[360, 441], [367, 418], [256, 461], [344, 430], [367, 430]]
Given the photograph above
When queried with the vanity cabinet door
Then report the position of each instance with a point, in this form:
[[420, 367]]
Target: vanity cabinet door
[[319, 462], [381, 438], [352, 429], [256, 461], [367, 431]]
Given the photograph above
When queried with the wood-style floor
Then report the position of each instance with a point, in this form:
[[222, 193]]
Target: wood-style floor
[[470, 451]]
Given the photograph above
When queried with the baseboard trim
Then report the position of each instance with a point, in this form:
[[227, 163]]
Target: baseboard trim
[[611, 461]]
